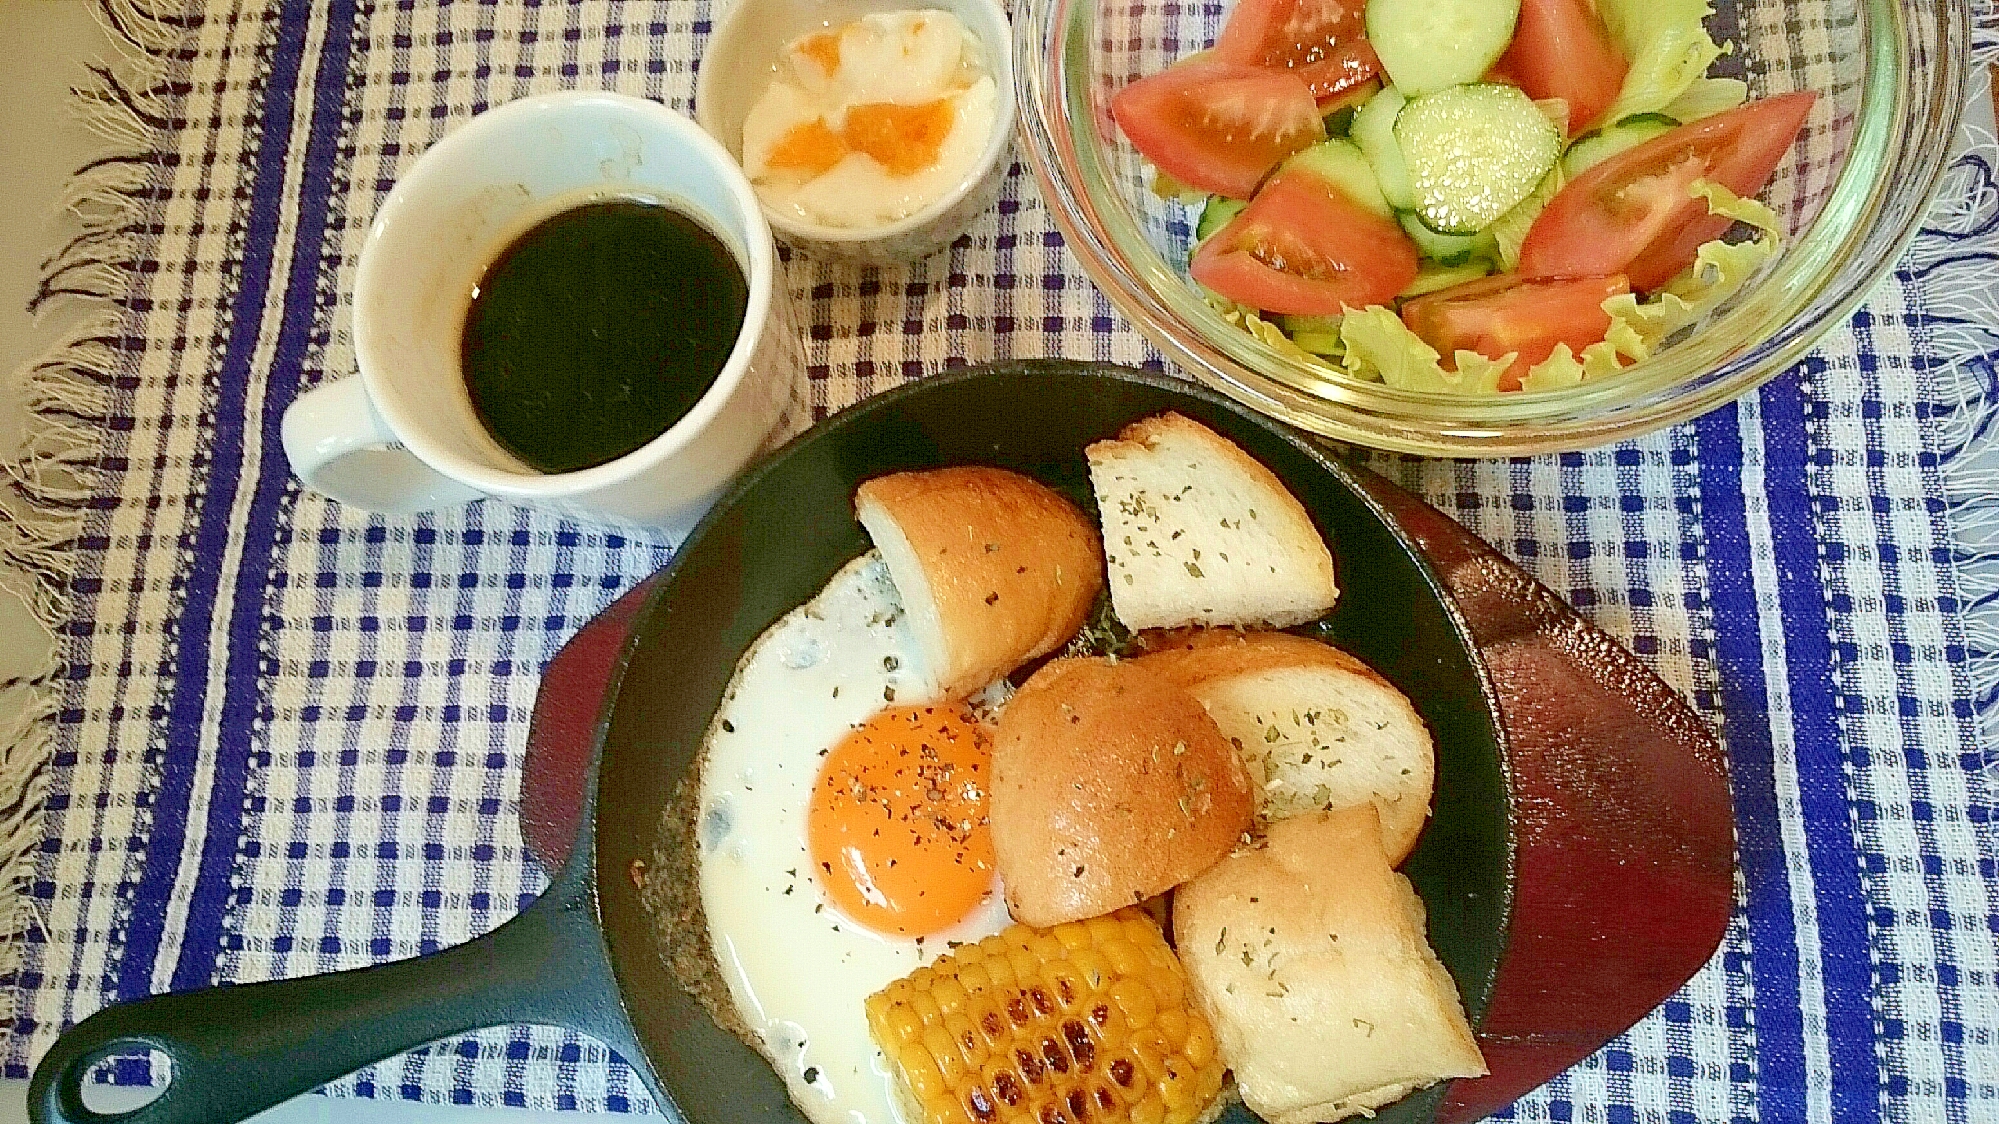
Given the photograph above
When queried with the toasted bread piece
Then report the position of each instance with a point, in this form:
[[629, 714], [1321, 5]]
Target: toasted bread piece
[[1198, 532], [1308, 956], [1109, 785], [993, 568], [1317, 728]]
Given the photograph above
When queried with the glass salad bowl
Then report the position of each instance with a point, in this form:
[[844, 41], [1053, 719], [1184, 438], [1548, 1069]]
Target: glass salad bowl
[[1891, 77]]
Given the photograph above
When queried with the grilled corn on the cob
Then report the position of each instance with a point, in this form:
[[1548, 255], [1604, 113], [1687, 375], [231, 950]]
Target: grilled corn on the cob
[[1086, 1023]]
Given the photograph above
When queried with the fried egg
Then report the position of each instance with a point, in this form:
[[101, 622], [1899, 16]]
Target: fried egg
[[842, 836], [870, 122]]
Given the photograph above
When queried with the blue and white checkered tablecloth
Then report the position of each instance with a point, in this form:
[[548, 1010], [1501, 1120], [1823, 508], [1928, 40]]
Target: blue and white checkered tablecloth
[[289, 734]]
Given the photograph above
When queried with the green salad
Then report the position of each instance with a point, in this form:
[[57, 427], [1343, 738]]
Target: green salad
[[1474, 196]]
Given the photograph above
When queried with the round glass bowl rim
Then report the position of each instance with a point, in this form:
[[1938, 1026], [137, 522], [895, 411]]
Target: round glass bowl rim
[[1816, 283]]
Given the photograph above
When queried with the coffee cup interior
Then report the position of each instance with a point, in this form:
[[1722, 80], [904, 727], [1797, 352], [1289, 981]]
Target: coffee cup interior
[[469, 197]]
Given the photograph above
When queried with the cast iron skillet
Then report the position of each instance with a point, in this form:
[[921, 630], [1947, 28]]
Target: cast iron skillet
[[584, 956]]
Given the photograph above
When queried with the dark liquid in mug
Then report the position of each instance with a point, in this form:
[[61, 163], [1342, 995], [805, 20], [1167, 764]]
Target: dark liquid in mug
[[598, 329]]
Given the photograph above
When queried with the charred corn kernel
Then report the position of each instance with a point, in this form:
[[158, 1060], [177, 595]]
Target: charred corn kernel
[[1051, 1027], [1062, 978], [971, 1045]]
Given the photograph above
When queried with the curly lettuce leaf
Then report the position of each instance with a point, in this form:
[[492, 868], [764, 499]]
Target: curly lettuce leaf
[[1720, 270], [1565, 368], [1375, 345], [1668, 46], [1251, 320], [1707, 97], [1380, 347], [1509, 231], [1556, 110]]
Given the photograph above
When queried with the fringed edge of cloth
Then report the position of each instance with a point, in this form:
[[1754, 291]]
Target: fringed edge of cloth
[[1957, 258], [130, 103]]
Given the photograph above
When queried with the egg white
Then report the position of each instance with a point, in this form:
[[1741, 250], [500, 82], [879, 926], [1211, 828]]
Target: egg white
[[798, 970], [859, 192], [904, 57]]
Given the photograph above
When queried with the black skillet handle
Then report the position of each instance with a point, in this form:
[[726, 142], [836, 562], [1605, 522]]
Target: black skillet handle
[[239, 1050]]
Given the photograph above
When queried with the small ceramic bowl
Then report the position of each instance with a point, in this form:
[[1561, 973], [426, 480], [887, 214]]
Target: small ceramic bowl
[[741, 61]]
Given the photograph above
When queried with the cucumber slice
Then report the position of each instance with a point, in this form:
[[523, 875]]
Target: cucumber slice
[[1310, 325], [1446, 249], [1651, 119], [1216, 215], [1474, 152], [1320, 343], [1436, 278], [1337, 111], [1374, 131], [1339, 162], [1339, 122], [1596, 147], [1172, 190], [1319, 335], [1428, 45]]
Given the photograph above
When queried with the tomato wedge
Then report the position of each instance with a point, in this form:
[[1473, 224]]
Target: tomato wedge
[[1501, 316], [1561, 49], [1289, 33], [1342, 71], [1302, 247], [1632, 214], [1218, 127]]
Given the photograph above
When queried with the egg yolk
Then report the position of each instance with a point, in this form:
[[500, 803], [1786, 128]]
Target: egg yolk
[[897, 824], [824, 49], [904, 138], [812, 148]]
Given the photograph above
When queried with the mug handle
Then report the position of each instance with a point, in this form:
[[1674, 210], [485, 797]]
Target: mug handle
[[335, 421]]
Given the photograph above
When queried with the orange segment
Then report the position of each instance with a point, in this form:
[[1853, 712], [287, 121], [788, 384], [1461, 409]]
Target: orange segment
[[897, 822], [824, 49], [903, 138], [811, 148]]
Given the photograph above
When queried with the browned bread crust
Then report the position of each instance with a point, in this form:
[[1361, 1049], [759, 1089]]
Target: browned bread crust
[[1317, 727], [1189, 656], [994, 568], [1110, 785]]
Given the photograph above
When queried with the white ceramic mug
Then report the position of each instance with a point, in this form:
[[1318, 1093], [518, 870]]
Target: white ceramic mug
[[402, 436]]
